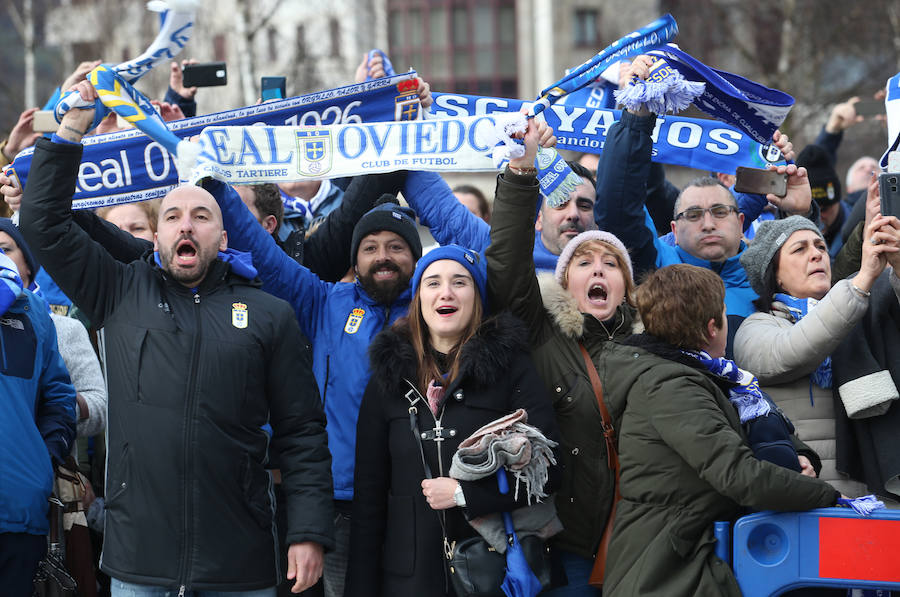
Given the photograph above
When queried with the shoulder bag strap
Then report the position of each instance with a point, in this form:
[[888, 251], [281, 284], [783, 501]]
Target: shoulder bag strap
[[598, 572], [414, 423], [609, 432]]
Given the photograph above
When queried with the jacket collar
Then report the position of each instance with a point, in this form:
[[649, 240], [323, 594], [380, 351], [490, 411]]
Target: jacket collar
[[485, 358], [543, 258], [563, 309], [663, 349], [731, 270], [219, 273]]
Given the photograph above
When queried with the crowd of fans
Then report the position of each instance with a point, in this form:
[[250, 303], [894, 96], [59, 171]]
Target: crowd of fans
[[283, 390]]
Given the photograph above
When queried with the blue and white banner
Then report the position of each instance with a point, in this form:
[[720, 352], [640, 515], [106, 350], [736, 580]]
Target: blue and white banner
[[691, 142], [176, 25], [753, 108], [654, 35], [258, 154], [599, 94], [128, 166]]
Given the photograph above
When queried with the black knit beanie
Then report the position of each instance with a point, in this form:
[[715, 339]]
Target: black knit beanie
[[388, 215], [823, 180]]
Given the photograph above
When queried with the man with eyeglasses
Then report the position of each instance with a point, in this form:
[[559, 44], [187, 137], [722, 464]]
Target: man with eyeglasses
[[708, 220]]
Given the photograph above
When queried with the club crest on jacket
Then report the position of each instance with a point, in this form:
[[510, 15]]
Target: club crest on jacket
[[355, 318], [239, 315]]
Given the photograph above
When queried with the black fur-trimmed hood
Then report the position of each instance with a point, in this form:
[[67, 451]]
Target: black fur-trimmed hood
[[485, 358]]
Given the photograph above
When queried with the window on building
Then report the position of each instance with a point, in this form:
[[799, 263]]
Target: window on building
[[334, 34], [272, 43], [219, 48], [461, 46], [87, 50], [585, 25], [301, 40]]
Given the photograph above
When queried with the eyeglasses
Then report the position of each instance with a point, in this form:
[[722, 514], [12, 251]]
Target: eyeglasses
[[718, 211]]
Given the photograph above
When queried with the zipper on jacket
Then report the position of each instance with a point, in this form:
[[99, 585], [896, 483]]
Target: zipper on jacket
[[327, 372], [189, 407]]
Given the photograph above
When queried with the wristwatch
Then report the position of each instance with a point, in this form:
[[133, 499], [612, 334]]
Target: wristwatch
[[458, 498]]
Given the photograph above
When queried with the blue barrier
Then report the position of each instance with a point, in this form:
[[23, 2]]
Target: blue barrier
[[828, 547]]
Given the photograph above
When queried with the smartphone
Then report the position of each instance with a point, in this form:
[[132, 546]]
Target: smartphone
[[206, 74], [44, 122], [272, 88], [889, 186], [869, 107], [760, 182]]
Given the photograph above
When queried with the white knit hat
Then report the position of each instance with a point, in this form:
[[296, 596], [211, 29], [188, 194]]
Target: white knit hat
[[565, 257]]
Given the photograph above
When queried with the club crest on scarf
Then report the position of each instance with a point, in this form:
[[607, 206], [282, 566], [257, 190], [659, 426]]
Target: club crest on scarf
[[406, 105], [239, 315], [315, 151]]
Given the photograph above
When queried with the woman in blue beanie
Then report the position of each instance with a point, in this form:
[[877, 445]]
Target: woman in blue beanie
[[450, 370]]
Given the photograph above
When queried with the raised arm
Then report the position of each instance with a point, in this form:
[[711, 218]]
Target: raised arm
[[327, 251], [449, 221], [281, 275], [777, 354], [120, 244], [84, 270]]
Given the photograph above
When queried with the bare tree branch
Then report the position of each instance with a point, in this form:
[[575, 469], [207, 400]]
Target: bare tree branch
[[15, 17], [252, 31]]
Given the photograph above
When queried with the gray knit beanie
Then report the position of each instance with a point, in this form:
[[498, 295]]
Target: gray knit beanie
[[770, 237]]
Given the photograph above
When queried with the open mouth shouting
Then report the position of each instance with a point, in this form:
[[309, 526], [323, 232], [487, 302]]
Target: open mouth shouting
[[446, 310], [186, 254], [597, 294]]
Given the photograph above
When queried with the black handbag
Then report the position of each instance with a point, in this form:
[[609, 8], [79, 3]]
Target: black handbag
[[52, 579], [477, 569]]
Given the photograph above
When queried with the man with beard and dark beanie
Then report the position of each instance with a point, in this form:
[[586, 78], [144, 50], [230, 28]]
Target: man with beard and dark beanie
[[341, 319]]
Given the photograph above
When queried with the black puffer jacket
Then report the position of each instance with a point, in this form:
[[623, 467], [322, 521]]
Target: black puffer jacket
[[396, 540], [191, 383]]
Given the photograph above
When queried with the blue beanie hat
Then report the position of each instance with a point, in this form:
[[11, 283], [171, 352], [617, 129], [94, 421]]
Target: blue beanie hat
[[469, 259], [7, 226]]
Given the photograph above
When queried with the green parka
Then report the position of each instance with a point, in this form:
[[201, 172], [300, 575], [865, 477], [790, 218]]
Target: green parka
[[685, 464], [555, 329]]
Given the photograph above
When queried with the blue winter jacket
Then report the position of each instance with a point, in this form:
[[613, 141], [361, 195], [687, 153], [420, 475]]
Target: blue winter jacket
[[340, 320], [622, 174], [38, 421]]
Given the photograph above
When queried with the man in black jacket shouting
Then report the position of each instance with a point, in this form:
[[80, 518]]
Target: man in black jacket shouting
[[198, 360]]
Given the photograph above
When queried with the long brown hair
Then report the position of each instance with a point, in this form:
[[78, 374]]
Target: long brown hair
[[428, 369]]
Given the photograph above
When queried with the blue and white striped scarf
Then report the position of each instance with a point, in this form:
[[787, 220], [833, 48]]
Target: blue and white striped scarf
[[746, 396], [797, 309]]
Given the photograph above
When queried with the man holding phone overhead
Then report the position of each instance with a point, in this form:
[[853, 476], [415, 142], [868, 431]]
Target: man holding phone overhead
[[707, 223]]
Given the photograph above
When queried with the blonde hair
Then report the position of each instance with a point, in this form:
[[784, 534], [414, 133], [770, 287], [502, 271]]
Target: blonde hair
[[595, 245], [150, 208]]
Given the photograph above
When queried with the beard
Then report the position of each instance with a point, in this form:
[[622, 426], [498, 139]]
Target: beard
[[383, 291], [187, 276]]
